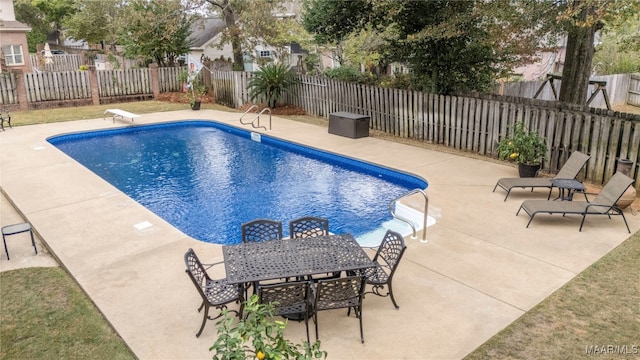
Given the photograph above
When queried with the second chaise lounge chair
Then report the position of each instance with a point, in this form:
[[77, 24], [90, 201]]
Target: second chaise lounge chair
[[569, 170], [603, 204]]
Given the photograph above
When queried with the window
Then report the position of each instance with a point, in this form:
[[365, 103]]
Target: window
[[265, 53], [13, 55]]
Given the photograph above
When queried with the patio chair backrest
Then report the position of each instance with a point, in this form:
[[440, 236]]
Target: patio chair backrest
[[612, 190], [573, 166], [339, 293], [390, 251], [309, 226], [196, 271], [291, 298], [261, 230], [287, 298]]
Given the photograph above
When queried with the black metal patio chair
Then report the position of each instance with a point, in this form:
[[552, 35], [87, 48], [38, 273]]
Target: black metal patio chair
[[311, 226], [260, 230], [290, 300], [308, 226], [339, 293], [215, 293], [387, 259]]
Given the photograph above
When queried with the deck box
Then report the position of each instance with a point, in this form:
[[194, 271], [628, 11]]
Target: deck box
[[348, 124]]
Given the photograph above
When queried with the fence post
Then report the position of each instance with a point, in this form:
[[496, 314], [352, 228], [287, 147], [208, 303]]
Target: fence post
[[93, 86], [21, 89], [155, 79]]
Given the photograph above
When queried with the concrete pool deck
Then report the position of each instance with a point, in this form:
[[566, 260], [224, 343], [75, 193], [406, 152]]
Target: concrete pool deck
[[480, 270]]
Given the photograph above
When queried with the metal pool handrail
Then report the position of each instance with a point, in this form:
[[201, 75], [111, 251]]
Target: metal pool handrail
[[256, 119], [392, 210]]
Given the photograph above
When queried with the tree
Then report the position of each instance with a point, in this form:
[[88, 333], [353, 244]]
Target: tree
[[55, 12], [449, 46], [155, 30], [331, 22], [443, 43], [95, 21], [619, 50], [581, 19]]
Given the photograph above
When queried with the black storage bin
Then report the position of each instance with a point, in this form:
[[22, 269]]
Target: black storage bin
[[348, 124]]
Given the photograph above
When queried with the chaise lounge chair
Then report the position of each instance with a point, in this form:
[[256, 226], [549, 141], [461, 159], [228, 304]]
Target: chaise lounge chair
[[569, 170], [603, 204]]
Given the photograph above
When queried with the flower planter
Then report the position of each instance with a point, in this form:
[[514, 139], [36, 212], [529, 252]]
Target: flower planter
[[195, 105], [528, 170]]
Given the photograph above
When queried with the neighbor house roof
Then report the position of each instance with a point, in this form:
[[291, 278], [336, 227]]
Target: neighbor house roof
[[10, 25], [204, 30]]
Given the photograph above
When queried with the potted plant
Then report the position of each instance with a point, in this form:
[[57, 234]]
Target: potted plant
[[256, 336], [525, 147], [193, 90]]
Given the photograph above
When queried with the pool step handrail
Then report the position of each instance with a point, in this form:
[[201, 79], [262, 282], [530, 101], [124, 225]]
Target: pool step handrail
[[255, 121], [392, 210]]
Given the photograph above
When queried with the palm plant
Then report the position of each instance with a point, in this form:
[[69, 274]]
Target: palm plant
[[271, 82]]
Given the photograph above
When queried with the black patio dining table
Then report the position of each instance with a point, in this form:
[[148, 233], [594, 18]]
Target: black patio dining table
[[279, 259]]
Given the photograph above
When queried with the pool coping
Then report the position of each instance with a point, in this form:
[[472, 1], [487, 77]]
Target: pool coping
[[480, 270]]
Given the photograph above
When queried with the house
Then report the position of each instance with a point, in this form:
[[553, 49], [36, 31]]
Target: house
[[14, 49], [205, 37]]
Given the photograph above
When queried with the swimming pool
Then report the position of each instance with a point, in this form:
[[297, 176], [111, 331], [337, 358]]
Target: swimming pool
[[206, 178]]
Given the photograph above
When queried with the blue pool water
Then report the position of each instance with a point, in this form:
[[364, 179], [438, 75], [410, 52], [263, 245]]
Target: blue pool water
[[207, 178]]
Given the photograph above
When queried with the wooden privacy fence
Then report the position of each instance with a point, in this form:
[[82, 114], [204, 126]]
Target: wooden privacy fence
[[633, 97], [63, 85], [168, 78], [119, 83], [63, 62], [476, 124], [8, 87], [230, 87]]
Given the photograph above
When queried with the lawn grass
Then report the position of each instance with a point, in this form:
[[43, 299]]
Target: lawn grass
[[599, 307], [31, 117], [45, 315]]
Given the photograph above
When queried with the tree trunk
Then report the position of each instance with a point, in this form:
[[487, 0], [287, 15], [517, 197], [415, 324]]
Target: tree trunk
[[577, 63], [236, 44]]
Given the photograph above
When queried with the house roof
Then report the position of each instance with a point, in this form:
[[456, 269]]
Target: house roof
[[11, 25], [203, 30]]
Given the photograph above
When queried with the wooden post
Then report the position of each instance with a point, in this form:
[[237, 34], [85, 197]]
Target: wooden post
[[21, 89], [93, 85], [155, 79]]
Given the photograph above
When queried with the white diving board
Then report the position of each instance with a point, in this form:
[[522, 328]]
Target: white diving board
[[121, 113]]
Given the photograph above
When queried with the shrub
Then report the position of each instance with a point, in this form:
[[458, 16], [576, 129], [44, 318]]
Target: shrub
[[344, 73], [255, 336]]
